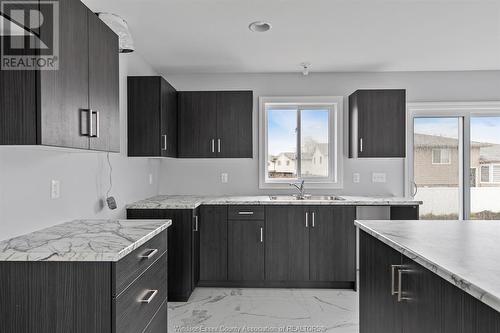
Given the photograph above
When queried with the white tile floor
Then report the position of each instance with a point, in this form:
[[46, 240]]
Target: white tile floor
[[266, 310]]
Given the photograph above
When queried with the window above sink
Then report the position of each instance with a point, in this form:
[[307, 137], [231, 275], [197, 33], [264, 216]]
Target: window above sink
[[300, 139]]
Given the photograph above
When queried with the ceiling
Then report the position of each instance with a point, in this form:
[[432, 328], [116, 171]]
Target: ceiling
[[212, 36]]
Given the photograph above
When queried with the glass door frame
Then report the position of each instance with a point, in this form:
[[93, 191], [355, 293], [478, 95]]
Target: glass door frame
[[464, 111]]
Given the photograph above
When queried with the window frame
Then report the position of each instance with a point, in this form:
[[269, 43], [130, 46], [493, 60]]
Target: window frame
[[335, 127], [491, 167], [464, 111], [441, 156]]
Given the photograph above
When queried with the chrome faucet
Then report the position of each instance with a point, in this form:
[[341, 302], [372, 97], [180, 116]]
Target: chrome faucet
[[300, 188]]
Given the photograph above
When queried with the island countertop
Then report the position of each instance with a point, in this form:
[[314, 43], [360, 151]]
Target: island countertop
[[193, 201], [465, 253], [82, 240]]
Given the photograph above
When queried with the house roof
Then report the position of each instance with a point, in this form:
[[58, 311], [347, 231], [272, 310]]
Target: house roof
[[436, 141], [490, 153]]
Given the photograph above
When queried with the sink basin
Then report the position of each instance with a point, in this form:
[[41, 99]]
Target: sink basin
[[306, 197]]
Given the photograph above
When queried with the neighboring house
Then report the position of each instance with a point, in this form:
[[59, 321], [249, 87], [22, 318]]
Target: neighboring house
[[436, 162], [489, 160], [314, 162]]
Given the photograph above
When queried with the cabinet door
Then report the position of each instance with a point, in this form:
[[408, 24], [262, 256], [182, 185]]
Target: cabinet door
[[196, 248], [213, 243], [143, 104], [332, 244], [179, 251], [245, 250], [479, 317], [379, 311], [64, 93], [404, 213], [287, 244], [422, 309], [103, 84], [381, 117], [197, 124], [234, 124], [168, 120]]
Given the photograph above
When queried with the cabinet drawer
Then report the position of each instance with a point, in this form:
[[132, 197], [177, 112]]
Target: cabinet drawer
[[159, 321], [129, 268], [249, 212], [135, 308]]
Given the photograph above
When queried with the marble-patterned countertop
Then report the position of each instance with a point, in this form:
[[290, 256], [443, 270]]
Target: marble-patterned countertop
[[193, 201], [82, 240], [465, 253]]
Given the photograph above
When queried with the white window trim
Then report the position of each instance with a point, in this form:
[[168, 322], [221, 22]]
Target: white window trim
[[490, 173], [335, 150], [440, 163], [465, 110]]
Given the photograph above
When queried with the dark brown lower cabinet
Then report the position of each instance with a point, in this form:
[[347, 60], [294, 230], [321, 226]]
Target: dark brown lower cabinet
[[245, 250], [183, 240], [213, 243], [332, 243], [84, 297], [378, 308], [287, 243], [428, 302]]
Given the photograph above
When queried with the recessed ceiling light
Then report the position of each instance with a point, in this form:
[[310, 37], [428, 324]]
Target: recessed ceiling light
[[259, 26]]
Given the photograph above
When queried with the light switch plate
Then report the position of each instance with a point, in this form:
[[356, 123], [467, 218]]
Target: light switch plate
[[356, 177], [55, 189], [150, 179], [379, 177], [224, 177]]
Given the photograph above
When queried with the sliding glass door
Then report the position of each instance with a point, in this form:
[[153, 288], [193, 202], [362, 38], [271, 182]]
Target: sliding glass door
[[437, 166], [485, 168], [454, 160]]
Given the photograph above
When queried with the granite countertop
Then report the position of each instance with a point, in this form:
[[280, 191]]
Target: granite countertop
[[82, 240], [193, 201], [465, 253]]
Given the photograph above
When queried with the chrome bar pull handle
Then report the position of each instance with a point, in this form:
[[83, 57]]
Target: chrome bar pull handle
[[213, 145], [148, 254], [245, 213], [393, 270], [97, 124], [400, 291], [218, 145], [361, 144], [196, 223], [262, 235], [313, 215], [307, 219], [91, 123], [164, 137], [151, 293]]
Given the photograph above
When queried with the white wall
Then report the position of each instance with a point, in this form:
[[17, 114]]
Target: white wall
[[183, 176], [26, 173]]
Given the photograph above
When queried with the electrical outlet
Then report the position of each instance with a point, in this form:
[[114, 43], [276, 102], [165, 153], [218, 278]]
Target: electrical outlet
[[55, 189], [150, 179], [356, 177], [379, 177], [224, 177]]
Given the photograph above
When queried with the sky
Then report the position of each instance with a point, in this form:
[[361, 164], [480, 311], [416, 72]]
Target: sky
[[483, 129], [282, 124]]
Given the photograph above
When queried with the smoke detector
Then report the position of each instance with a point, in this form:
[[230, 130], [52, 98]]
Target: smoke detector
[[305, 68]]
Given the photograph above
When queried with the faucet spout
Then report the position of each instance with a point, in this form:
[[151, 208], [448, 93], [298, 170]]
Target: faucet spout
[[300, 188]]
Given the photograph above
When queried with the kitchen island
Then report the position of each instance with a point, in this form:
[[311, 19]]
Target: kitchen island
[[429, 276], [86, 276]]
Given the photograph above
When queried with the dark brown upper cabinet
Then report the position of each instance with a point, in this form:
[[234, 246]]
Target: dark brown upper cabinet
[[76, 106], [152, 117], [215, 124], [377, 122]]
